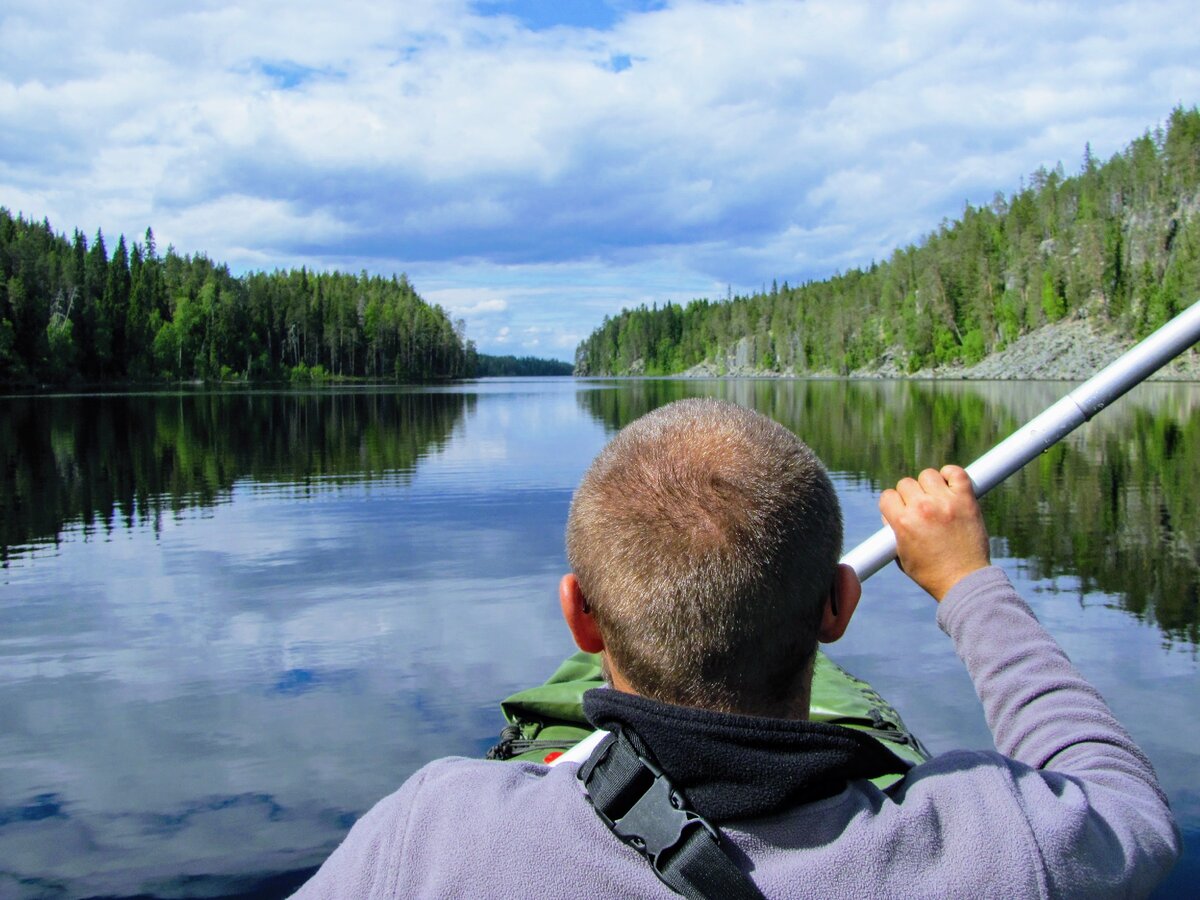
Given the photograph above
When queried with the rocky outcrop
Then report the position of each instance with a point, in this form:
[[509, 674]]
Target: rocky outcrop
[[1071, 350]]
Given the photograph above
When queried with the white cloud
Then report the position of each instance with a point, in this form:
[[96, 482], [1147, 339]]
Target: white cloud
[[485, 306], [468, 301], [237, 221]]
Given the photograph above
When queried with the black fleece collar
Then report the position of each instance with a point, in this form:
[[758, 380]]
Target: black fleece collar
[[735, 767]]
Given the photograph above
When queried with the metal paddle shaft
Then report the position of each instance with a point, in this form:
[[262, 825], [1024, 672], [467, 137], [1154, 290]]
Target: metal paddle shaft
[[1059, 420]]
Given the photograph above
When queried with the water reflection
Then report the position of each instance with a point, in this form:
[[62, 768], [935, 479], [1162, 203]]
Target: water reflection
[[119, 459], [1114, 505]]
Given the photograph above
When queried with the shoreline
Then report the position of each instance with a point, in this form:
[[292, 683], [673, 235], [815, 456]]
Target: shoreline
[[1071, 350]]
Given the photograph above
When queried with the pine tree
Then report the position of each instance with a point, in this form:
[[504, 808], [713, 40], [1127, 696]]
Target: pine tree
[[96, 336], [114, 310]]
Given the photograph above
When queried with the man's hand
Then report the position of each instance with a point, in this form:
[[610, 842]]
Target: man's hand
[[940, 535]]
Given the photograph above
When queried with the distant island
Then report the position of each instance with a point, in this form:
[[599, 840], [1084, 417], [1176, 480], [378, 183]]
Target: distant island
[[487, 366], [1041, 283]]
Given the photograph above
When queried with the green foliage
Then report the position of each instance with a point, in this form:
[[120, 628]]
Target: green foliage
[[973, 347], [1008, 318], [1054, 304], [946, 348], [61, 345], [167, 350], [1116, 240], [70, 312], [496, 366], [304, 375], [10, 363]]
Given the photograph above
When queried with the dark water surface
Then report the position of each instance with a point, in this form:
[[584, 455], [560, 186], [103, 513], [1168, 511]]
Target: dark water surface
[[230, 622]]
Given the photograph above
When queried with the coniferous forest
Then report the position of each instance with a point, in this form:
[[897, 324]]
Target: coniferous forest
[[72, 311], [1118, 241], [520, 366]]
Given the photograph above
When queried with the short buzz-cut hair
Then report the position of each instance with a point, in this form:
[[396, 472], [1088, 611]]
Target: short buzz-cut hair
[[705, 538]]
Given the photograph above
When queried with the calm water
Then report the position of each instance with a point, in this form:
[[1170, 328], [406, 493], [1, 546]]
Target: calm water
[[231, 622]]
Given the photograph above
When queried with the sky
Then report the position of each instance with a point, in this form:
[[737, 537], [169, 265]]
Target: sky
[[537, 165]]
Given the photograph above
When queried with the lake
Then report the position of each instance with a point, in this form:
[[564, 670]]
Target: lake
[[232, 621]]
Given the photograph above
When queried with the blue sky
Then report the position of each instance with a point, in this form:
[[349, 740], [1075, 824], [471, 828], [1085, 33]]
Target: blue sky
[[535, 166]]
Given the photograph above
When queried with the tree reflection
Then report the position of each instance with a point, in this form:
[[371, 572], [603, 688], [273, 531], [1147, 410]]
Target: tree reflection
[[101, 461]]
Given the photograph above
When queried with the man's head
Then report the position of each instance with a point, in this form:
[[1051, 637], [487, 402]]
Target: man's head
[[705, 541]]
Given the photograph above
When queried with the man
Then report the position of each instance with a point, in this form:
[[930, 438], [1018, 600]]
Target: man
[[704, 543]]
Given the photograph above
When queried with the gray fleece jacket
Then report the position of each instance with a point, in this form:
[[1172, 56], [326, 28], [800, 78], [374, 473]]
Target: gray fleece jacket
[[1069, 806]]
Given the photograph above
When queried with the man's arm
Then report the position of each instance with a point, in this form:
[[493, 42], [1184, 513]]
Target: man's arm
[[1098, 813], [366, 863], [1017, 668]]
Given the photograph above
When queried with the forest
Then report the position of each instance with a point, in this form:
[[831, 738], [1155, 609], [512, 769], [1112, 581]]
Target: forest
[[72, 312], [493, 366], [1118, 241]]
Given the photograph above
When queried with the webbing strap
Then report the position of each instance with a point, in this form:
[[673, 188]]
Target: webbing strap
[[643, 809]]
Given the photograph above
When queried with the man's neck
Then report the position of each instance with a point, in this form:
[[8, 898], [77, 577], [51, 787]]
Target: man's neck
[[797, 707]]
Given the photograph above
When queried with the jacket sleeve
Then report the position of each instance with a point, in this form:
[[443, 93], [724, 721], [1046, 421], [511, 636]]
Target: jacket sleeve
[[1095, 808], [366, 864]]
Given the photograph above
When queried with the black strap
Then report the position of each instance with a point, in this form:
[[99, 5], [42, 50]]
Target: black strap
[[514, 743], [643, 809]]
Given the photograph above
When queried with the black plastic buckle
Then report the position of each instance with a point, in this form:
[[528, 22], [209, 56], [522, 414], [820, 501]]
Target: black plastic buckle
[[658, 821]]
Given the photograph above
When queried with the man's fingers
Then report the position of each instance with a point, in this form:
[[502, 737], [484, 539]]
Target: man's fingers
[[932, 481], [958, 479], [926, 493], [908, 489], [890, 505]]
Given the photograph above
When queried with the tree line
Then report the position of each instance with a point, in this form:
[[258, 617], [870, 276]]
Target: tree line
[[489, 366], [1119, 240], [71, 311]]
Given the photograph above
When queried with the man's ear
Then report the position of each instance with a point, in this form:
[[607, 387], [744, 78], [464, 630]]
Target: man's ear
[[578, 615], [840, 605]]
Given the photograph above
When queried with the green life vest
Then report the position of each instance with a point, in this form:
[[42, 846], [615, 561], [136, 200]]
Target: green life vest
[[544, 721]]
